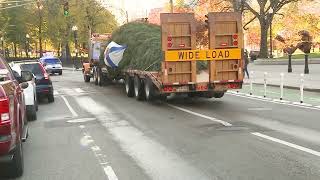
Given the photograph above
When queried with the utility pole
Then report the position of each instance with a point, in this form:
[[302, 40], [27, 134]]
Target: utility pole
[[171, 6]]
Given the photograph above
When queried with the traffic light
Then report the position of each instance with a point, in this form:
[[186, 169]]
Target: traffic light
[[66, 8]]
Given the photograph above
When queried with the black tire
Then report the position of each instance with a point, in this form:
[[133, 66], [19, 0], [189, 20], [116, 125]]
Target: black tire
[[129, 86], [150, 91], [86, 78], [36, 104], [16, 166], [99, 77], [138, 88], [50, 98], [95, 75], [60, 73], [32, 113], [218, 94]]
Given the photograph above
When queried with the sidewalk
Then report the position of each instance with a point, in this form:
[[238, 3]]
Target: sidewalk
[[285, 61], [291, 80]]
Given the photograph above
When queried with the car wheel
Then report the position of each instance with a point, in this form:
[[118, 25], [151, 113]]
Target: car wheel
[[60, 73], [218, 94], [36, 104], [16, 166], [50, 98], [32, 113]]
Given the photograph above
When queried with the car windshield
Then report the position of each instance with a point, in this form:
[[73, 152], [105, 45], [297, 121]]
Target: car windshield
[[52, 61], [34, 68]]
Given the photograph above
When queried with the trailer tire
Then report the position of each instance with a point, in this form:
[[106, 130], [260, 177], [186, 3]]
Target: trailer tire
[[129, 86], [86, 78], [138, 88], [218, 94], [99, 77], [149, 90], [95, 75]]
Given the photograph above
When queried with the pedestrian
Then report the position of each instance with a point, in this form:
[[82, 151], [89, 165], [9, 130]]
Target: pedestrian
[[246, 62]]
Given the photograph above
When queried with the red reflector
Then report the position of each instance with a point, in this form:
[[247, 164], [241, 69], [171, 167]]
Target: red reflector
[[45, 90], [235, 43], [235, 36], [224, 44], [169, 38], [182, 45], [169, 44]]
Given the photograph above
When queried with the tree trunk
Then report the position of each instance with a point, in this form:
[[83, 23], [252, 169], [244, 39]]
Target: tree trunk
[[15, 50], [264, 40], [59, 48]]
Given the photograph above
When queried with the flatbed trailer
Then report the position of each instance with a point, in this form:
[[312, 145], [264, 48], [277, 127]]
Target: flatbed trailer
[[178, 72]]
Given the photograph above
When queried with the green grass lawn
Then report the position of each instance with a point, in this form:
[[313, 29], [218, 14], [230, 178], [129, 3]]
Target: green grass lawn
[[301, 56]]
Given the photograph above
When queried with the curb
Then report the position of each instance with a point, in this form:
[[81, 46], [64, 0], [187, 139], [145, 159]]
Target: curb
[[284, 61], [276, 101], [287, 87]]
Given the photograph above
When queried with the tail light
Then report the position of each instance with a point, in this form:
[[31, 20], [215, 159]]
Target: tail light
[[235, 39], [4, 107], [45, 74]]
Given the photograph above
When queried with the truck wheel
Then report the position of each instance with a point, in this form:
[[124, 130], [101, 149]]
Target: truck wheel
[[95, 75], [16, 166], [218, 94], [99, 77], [86, 78], [138, 88], [129, 86], [149, 90]]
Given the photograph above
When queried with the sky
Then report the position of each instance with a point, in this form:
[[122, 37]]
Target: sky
[[135, 8]]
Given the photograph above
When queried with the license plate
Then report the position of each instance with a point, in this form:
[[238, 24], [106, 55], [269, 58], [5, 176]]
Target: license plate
[[182, 89]]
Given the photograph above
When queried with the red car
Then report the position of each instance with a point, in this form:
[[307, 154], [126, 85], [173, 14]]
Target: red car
[[13, 127]]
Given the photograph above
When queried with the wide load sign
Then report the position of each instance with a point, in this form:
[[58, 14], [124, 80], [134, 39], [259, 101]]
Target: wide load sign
[[203, 55]]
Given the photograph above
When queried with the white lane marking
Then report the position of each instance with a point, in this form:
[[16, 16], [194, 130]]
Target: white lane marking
[[81, 120], [110, 173], [260, 109], [301, 148], [79, 90], [201, 115], [55, 92], [73, 112], [95, 148], [157, 160], [275, 102], [108, 170]]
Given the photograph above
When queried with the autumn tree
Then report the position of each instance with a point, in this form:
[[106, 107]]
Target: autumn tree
[[265, 13]]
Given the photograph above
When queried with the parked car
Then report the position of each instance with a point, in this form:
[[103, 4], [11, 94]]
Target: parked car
[[52, 64], [30, 94], [44, 87], [13, 123]]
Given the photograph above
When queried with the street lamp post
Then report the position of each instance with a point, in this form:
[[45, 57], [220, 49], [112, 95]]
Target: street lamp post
[[75, 30], [270, 14], [39, 5], [27, 44]]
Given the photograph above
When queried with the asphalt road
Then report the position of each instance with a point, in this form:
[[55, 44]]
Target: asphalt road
[[98, 133]]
